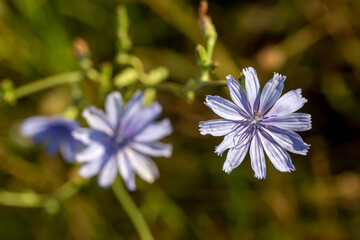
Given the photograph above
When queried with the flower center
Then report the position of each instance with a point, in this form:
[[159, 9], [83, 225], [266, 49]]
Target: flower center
[[256, 119], [119, 138], [117, 142]]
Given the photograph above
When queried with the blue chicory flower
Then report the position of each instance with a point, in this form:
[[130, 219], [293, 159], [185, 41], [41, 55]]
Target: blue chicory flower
[[120, 140], [259, 122], [55, 133]]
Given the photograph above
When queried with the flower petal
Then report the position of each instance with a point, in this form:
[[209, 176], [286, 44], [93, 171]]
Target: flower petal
[[126, 170], [288, 103], [271, 92], [252, 87], [238, 95], [133, 106], [228, 142], [34, 125], [155, 149], [93, 152], [134, 125], [217, 127], [42, 136], [143, 166], [288, 140], [291, 122], [113, 107], [89, 136], [257, 157], [243, 134], [155, 131], [224, 108], [90, 169], [97, 120], [68, 149], [52, 145], [235, 157], [277, 155], [108, 172]]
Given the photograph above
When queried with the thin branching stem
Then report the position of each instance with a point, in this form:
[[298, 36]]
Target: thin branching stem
[[131, 209]]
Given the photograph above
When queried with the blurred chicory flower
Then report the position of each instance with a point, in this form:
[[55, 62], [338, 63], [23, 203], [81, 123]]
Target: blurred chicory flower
[[54, 133], [121, 139], [259, 122]]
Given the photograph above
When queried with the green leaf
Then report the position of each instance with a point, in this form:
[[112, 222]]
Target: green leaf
[[201, 55], [8, 92], [156, 76], [127, 77]]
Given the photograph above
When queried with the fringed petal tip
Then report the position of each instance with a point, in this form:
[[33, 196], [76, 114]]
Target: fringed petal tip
[[201, 124], [229, 78], [227, 168], [220, 149], [279, 77], [206, 102], [217, 151], [299, 92], [203, 132], [249, 70], [288, 169], [305, 151], [207, 99], [260, 176]]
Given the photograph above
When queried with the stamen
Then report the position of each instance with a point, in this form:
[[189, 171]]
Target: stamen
[[256, 119]]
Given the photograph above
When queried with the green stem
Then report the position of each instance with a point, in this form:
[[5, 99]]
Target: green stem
[[70, 188], [131, 209], [35, 200], [30, 200], [48, 82], [205, 75], [175, 88], [209, 84]]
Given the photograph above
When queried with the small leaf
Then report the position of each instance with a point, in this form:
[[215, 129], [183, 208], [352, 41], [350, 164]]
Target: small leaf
[[127, 77], [201, 55], [156, 76], [8, 92]]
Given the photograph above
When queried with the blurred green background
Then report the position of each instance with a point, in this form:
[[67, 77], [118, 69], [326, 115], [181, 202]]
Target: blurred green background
[[316, 44]]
